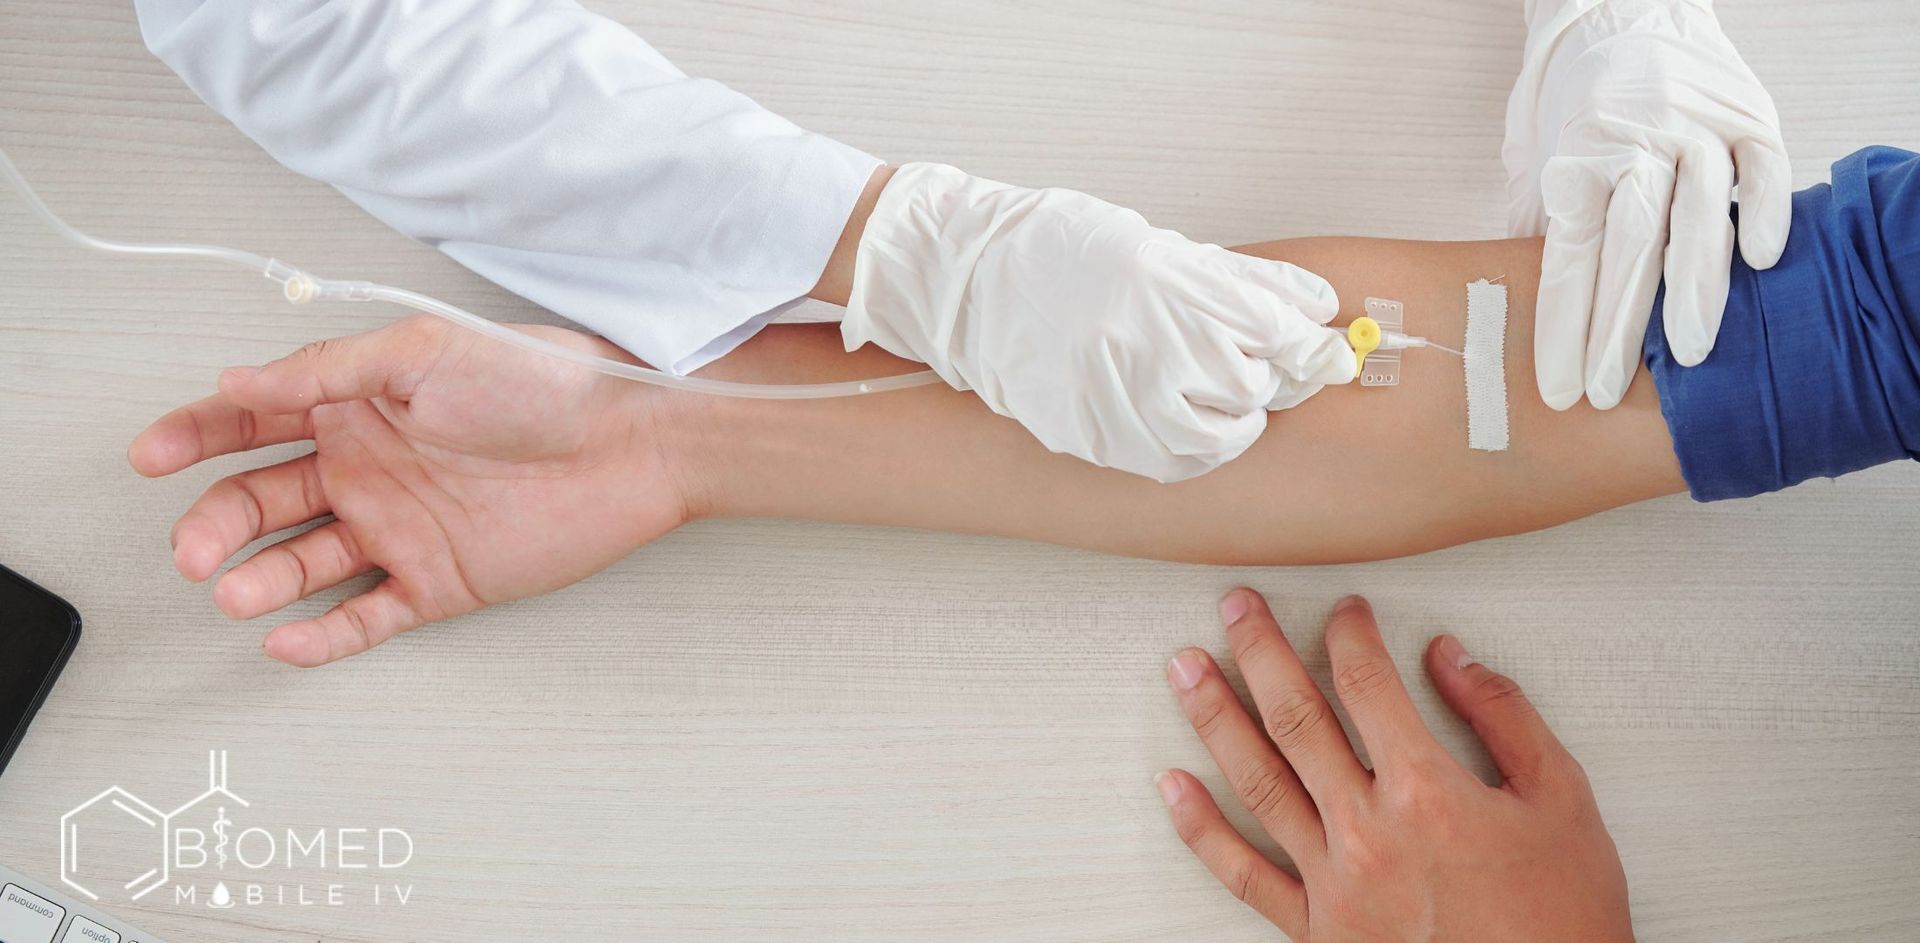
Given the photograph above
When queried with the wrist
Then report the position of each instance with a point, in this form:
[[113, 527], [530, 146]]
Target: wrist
[[674, 438], [699, 439], [727, 456], [732, 457]]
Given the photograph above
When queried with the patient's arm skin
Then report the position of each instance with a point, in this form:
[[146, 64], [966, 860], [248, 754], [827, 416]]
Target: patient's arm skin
[[471, 472], [1352, 474]]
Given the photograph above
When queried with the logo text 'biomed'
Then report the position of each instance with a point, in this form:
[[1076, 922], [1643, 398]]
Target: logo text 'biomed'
[[117, 843]]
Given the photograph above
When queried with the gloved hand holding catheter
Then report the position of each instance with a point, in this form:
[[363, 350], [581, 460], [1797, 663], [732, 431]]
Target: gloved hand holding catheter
[[1109, 339], [578, 168]]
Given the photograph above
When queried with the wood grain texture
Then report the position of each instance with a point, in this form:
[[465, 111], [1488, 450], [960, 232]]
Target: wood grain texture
[[778, 731]]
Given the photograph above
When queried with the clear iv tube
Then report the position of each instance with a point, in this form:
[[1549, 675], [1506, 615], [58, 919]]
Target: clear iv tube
[[1394, 340], [1427, 343], [299, 286]]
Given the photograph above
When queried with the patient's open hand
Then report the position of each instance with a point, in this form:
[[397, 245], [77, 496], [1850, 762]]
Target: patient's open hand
[[1415, 847], [469, 471]]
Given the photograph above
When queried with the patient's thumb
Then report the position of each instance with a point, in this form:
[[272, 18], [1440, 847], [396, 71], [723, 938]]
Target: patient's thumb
[[337, 370]]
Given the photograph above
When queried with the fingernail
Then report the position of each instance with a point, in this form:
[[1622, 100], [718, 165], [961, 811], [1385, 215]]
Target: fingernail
[[238, 374], [1169, 787], [1454, 653], [1350, 602], [1234, 606], [1185, 670]]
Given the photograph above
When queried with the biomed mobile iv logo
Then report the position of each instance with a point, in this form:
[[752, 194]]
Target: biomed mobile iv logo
[[118, 844]]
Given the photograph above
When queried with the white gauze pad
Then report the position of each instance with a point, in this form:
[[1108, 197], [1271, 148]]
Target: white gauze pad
[[1486, 366]]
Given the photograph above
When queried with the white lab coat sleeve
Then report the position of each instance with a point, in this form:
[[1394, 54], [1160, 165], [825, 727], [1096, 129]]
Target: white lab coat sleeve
[[549, 149]]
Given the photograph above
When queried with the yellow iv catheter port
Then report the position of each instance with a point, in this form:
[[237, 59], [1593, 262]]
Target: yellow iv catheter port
[[1365, 336], [300, 287]]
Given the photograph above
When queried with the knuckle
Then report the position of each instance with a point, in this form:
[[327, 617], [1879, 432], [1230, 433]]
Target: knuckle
[[1099, 353], [1574, 769], [1500, 691], [420, 325], [1367, 857], [1414, 799], [1429, 770], [1192, 830], [356, 622], [1208, 712], [247, 426], [238, 491], [1561, 769], [1362, 679], [319, 351], [1264, 786], [1294, 717], [313, 493], [1247, 642], [313, 361], [1243, 880], [1254, 639], [421, 333], [345, 553], [300, 574], [1342, 910]]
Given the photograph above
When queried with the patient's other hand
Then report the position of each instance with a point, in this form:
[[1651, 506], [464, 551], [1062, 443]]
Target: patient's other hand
[[471, 472], [1415, 847]]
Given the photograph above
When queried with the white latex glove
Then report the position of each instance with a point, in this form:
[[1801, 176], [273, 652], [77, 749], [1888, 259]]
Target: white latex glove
[[1626, 131], [1128, 346]]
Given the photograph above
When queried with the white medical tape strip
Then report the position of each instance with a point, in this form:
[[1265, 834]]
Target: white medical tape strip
[[1486, 366]]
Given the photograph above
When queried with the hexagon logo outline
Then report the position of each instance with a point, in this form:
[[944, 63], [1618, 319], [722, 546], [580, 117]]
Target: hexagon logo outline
[[139, 809]]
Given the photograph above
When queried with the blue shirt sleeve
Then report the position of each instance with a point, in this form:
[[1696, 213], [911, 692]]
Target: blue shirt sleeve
[[1816, 371]]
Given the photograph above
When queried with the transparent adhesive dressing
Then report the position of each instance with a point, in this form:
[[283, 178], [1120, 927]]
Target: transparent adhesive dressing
[[299, 287]]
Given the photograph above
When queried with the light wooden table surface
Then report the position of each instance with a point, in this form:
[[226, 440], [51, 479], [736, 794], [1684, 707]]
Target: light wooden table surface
[[780, 731]]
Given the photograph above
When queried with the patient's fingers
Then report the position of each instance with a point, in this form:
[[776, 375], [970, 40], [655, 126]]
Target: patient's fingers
[[290, 571], [1297, 717], [213, 426], [1275, 894], [241, 509], [1369, 685], [348, 629], [386, 362], [1262, 779]]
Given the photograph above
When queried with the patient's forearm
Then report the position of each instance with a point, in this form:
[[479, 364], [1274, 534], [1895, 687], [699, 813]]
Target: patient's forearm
[[1351, 474]]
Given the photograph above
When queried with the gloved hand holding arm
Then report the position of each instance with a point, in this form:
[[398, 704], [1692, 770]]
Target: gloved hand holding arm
[[1627, 129], [557, 154]]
